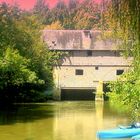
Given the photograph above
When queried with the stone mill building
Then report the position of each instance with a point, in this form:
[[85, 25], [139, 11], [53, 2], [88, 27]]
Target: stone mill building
[[92, 60]]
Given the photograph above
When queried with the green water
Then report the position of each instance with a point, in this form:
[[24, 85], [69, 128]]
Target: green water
[[58, 121]]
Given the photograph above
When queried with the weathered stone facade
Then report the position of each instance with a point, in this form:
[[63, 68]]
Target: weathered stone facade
[[91, 59]]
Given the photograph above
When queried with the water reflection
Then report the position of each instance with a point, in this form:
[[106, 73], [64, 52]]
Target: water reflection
[[58, 121], [25, 113], [99, 114], [82, 120]]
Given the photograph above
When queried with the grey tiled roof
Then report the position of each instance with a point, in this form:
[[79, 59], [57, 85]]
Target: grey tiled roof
[[77, 40]]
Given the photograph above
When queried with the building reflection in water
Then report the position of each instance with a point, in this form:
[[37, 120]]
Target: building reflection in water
[[80, 122]]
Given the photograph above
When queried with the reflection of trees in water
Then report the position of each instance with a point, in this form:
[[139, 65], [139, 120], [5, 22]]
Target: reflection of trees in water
[[58, 120], [113, 117], [25, 113], [110, 111], [32, 112]]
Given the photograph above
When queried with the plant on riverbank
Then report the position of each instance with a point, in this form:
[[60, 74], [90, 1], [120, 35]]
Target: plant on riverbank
[[126, 94], [25, 67], [126, 89]]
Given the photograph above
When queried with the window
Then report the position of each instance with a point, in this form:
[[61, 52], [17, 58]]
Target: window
[[78, 72], [96, 68], [117, 53], [119, 72], [71, 53], [89, 53]]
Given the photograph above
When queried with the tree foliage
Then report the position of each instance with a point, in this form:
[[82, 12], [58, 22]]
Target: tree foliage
[[75, 15], [54, 26], [25, 68], [88, 16], [126, 15]]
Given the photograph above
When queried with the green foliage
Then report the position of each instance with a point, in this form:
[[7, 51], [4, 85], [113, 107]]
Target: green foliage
[[14, 69], [25, 61], [126, 89], [88, 16], [126, 93], [75, 15], [54, 26]]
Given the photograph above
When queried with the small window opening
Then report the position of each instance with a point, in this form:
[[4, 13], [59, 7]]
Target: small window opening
[[89, 53], [78, 72], [96, 68], [119, 72]]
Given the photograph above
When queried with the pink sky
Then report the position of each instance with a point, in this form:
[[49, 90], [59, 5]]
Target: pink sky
[[28, 4]]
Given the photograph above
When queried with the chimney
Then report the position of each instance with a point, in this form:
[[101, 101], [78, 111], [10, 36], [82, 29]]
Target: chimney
[[86, 35]]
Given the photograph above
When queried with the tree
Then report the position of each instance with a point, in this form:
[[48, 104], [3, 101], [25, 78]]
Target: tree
[[41, 10], [23, 57], [126, 14], [87, 16], [73, 4], [61, 11], [74, 15], [54, 26]]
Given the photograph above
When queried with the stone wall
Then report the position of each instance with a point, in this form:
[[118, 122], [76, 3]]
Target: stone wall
[[65, 76]]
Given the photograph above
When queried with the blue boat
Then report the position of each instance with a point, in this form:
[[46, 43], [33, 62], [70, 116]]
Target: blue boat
[[137, 137], [123, 132]]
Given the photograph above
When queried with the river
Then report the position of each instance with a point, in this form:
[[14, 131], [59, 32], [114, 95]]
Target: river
[[78, 120]]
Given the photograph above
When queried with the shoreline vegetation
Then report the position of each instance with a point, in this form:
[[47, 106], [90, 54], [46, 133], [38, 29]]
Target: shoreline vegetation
[[126, 90], [25, 66], [26, 62]]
